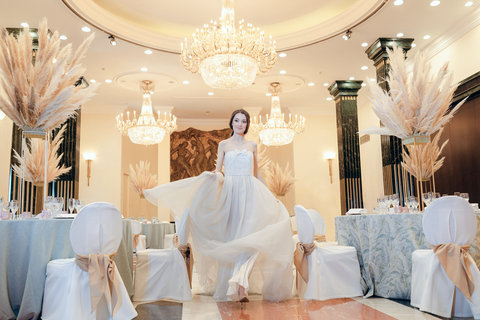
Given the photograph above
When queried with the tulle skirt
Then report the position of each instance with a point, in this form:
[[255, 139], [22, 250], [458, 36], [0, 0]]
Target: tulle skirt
[[240, 233]]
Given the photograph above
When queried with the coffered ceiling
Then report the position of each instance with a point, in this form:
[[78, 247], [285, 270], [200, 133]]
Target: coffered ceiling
[[309, 32]]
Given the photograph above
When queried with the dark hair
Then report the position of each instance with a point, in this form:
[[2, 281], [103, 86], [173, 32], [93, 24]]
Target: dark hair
[[245, 113]]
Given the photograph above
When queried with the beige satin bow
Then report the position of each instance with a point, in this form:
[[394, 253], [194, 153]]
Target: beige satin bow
[[186, 251], [302, 251], [455, 260], [101, 271], [320, 238], [136, 236]]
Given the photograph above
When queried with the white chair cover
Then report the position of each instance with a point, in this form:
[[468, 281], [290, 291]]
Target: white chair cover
[[334, 271], [168, 240], [161, 273], [446, 220], [142, 239], [318, 222], [97, 229]]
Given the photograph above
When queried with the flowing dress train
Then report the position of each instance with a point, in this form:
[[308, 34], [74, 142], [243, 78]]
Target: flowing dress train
[[239, 231]]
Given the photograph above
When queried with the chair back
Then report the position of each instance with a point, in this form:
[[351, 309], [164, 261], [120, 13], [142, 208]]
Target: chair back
[[449, 219], [306, 230], [96, 229], [318, 221], [136, 227]]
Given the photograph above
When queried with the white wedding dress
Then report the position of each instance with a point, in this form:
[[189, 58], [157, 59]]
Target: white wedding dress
[[240, 232]]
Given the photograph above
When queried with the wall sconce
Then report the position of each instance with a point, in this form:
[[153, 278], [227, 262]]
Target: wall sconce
[[2, 115], [329, 156], [89, 156]]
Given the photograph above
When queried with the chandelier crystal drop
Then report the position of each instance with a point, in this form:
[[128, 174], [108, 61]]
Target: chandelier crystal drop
[[275, 131], [228, 58], [145, 129]]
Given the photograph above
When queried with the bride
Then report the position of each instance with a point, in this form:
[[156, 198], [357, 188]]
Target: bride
[[241, 236]]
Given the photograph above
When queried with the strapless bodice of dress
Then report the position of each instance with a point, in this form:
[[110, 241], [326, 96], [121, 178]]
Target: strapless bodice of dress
[[238, 163]]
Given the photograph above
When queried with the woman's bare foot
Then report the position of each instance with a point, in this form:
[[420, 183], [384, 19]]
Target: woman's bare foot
[[242, 294]]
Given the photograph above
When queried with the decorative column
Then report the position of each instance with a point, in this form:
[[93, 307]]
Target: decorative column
[[345, 95], [393, 174]]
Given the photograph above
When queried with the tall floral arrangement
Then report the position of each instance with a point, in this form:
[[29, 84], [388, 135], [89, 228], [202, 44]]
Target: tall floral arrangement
[[141, 178], [422, 161], [33, 164], [418, 100], [37, 90], [279, 180]]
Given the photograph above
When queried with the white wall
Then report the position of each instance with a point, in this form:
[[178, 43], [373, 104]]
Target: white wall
[[99, 134], [462, 55], [5, 150], [312, 187]]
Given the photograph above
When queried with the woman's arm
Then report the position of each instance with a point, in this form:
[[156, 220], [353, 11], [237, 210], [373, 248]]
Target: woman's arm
[[255, 164], [220, 155]]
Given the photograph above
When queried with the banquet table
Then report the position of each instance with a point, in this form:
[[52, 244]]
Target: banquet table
[[385, 243], [26, 246]]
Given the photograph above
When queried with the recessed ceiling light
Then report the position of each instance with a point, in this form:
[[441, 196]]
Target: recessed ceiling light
[[468, 4], [63, 37], [186, 82], [282, 54], [108, 80], [397, 2], [414, 45], [268, 94], [144, 69], [426, 37], [86, 29], [364, 68], [311, 84], [325, 84], [400, 34], [363, 84], [24, 24], [372, 79], [283, 71], [329, 99], [364, 44], [93, 80], [435, 3], [148, 51], [210, 93], [54, 60], [351, 78]]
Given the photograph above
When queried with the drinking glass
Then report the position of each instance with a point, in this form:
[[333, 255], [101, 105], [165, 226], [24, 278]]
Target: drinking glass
[[412, 204], [464, 196], [427, 198], [71, 205], [395, 200], [456, 194], [78, 205], [59, 203], [13, 205]]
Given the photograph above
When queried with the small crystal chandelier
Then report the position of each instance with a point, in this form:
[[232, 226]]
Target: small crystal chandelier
[[228, 58], [145, 129], [275, 131]]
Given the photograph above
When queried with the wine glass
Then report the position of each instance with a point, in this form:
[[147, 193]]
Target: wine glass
[[59, 204], [78, 205], [427, 198], [395, 201], [71, 205], [13, 205], [412, 204], [464, 195]]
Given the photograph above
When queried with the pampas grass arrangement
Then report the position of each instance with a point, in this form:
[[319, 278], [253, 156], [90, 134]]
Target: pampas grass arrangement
[[34, 162], [41, 94], [422, 160], [141, 178], [279, 181], [418, 100]]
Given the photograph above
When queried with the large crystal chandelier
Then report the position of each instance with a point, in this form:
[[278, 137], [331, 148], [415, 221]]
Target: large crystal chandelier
[[276, 131], [228, 58], [145, 129]]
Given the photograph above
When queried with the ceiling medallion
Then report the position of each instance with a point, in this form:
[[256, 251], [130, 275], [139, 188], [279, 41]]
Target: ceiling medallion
[[275, 131], [228, 58], [146, 129]]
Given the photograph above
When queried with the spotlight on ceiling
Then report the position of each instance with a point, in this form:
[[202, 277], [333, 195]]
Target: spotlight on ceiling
[[112, 39], [347, 35]]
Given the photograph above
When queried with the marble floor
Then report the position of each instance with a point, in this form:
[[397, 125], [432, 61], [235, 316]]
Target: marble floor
[[205, 308]]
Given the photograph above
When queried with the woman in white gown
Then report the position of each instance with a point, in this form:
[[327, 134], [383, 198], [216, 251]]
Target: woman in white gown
[[239, 230]]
